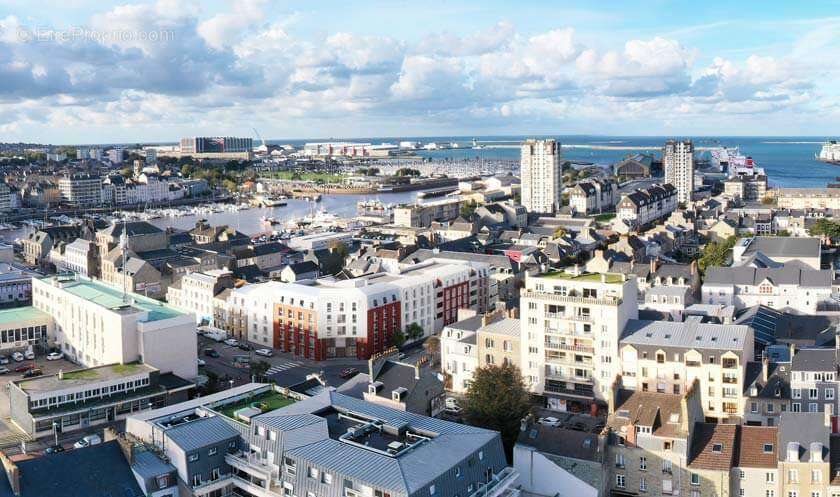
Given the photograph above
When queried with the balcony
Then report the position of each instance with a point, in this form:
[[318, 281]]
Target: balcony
[[574, 379], [563, 299], [501, 485], [729, 380], [571, 348], [249, 463]]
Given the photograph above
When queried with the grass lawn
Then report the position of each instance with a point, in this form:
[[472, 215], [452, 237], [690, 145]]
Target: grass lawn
[[310, 176], [268, 401], [603, 218], [562, 275]]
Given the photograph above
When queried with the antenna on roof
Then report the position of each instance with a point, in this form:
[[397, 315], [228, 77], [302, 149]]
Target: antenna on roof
[[123, 247]]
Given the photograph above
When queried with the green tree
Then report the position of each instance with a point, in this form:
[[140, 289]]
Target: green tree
[[825, 227], [126, 172], [716, 254], [468, 209], [414, 331], [497, 400], [259, 369], [397, 339], [187, 170]]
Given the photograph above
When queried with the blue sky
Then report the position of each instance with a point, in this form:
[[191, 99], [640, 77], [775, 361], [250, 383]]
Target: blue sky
[[82, 71]]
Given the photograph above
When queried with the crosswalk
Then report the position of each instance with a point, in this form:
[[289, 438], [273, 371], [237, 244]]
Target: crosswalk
[[282, 367]]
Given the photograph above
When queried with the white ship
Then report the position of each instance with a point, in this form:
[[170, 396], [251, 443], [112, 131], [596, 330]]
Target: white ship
[[829, 153]]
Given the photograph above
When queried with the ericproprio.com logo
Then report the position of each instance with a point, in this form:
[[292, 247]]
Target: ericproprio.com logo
[[43, 34]]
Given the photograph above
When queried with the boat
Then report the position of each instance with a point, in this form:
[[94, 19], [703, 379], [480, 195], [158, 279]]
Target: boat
[[269, 220], [830, 153]]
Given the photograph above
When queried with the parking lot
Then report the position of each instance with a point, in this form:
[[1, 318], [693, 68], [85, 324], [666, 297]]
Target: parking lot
[[9, 435]]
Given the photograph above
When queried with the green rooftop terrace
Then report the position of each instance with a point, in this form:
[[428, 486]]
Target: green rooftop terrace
[[265, 402], [610, 278], [112, 298]]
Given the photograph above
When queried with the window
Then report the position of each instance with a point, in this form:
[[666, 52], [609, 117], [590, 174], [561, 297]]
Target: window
[[196, 480], [667, 486], [768, 449], [326, 478], [313, 473], [740, 492], [769, 477], [619, 460], [643, 463], [816, 476], [695, 479], [666, 466], [717, 448], [793, 476], [741, 474], [753, 407], [619, 481], [643, 484], [432, 489], [829, 394], [769, 493], [212, 451], [796, 393], [815, 494], [193, 457], [813, 393], [792, 493], [215, 474]]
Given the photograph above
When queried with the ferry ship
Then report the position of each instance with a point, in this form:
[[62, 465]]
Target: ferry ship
[[829, 153]]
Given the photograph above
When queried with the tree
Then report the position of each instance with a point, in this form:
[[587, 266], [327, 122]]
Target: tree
[[432, 346], [716, 254], [187, 170], [126, 172], [259, 369], [783, 233], [768, 200], [468, 209], [825, 227], [414, 331], [407, 171], [397, 339], [497, 400]]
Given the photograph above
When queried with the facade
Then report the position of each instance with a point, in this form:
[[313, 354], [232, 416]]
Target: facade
[[669, 357], [648, 205], [808, 198], [195, 293], [755, 472], [542, 176], [678, 162], [813, 381], [217, 146], [571, 326], [787, 288], [329, 318], [804, 459], [593, 196], [81, 256], [81, 189], [423, 215], [15, 286], [778, 250], [22, 328], [95, 324], [749, 188]]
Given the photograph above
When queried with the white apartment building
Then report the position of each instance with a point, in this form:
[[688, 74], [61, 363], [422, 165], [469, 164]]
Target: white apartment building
[[667, 357], [593, 196], [787, 288], [542, 176], [571, 326], [78, 256], [459, 353], [678, 162], [195, 293], [647, 205], [328, 318], [80, 189], [95, 325]]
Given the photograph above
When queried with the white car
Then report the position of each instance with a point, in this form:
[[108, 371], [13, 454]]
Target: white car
[[54, 356], [87, 442], [264, 352], [17, 356], [200, 362], [29, 355], [232, 342], [549, 421]]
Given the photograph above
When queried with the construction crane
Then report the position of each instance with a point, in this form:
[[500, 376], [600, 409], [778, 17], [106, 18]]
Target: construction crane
[[262, 142]]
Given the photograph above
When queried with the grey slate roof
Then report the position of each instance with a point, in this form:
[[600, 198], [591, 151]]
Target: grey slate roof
[[691, 334], [816, 359], [133, 228], [201, 433], [785, 246], [803, 428], [149, 465], [97, 471], [787, 275]]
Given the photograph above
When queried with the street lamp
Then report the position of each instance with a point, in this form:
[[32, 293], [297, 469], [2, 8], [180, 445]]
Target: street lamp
[[55, 431], [231, 382]]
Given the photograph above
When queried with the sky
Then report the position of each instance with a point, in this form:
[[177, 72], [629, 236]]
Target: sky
[[79, 71]]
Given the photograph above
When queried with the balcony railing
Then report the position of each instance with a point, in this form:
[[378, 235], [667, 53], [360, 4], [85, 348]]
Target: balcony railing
[[501, 485], [573, 378], [571, 300], [572, 348]]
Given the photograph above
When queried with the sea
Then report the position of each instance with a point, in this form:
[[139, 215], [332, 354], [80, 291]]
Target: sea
[[788, 162]]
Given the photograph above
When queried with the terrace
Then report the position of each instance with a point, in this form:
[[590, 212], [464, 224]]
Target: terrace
[[249, 407], [611, 278]]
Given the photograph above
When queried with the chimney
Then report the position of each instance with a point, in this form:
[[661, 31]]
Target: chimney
[[417, 370], [693, 267], [765, 367], [12, 473], [654, 265], [792, 349]]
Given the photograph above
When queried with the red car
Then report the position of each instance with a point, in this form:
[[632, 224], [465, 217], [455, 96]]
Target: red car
[[348, 372], [24, 367]]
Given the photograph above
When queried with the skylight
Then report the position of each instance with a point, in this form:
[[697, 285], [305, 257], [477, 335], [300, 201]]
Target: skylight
[[717, 448], [768, 448]]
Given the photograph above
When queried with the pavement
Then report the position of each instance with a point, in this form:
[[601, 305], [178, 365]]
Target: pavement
[[285, 368]]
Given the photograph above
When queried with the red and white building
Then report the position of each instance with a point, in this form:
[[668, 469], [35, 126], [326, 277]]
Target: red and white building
[[328, 318]]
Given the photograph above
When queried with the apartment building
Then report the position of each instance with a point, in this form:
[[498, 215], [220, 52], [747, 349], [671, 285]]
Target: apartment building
[[423, 215], [195, 293], [542, 176], [804, 456], [81, 189], [712, 455], [329, 444], [593, 196], [478, 341], [749, 188], [22, 328], [808, 198], [95, 324], [81, 256], [15, 285], [328, 317], [649, 442], [678, 162], [768, 392], [813, 381], [647, 205], [571, 326], [788, 288], [755, 470]]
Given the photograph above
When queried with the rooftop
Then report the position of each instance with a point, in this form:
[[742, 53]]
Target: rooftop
[[18, 315], [83, 377], [690, 334], [610, 278], [263, 402], [112, 298]]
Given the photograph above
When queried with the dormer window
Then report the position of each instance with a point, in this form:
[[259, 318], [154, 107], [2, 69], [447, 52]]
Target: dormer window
[[717, 448]]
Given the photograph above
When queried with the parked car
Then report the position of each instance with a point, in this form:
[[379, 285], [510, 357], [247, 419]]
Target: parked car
[[53, 449], [24, 367], [29, 355], [17, 356], [87, 442], [451, 404], [349, 372], [4, 359], [232, 342], [264, 352], [33, 373], [578, 426], [549, 421], [201, 362], [4, 370], [54, 356], [211, 353], [245, 346]]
